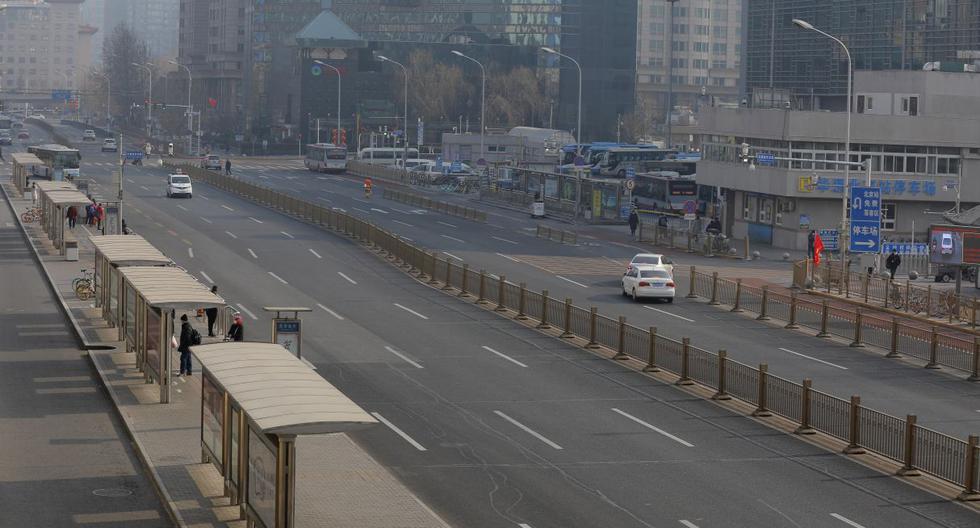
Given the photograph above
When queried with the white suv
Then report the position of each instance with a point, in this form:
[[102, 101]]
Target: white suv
[[179, 185], [88, 135]]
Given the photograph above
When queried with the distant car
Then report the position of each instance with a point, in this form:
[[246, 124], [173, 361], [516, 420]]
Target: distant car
[[947, 273], [17, 124], [37, 116], [946, 244], [23, 134], [411, 163], [648, 282], [651, 259], [88, 135], [211, 162], [109, 145], [5, 139], [179, 184]]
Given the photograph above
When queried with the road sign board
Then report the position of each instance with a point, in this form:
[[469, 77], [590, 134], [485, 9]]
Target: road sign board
[[630, 184], [865, 227], [905, 248], [134, 154], [690, 210], [456, 166], [624, 211], [830, 238], [765, 158], [60, 95], [630, 173]]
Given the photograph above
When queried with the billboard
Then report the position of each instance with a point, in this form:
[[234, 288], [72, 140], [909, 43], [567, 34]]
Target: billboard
[[956, 245]]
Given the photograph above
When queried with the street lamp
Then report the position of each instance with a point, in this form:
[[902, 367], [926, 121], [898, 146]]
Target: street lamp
[[670, 71], [337, 71], [149, 105], [483, 103], [382, 58], [578, 128], [190, 113], [847, 141]]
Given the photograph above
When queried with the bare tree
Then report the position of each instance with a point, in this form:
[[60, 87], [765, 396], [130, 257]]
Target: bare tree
[[639, 123], [435, 89], [514, 97], [119, 52]]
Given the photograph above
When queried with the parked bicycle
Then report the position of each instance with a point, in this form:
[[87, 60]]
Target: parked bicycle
[[31, 215], [84, 286]]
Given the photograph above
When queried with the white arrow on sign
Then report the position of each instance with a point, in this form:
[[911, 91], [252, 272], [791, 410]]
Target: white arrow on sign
[[866, 243]]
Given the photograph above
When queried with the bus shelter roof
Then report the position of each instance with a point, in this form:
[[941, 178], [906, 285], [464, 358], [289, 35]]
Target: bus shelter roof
[[170, 287], [26, 158], [128, 250], [280, 393], [67, 197], [47, 186]]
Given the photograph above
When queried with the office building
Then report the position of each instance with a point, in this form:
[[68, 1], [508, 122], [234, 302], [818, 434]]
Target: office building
[[152, 21], [38, 44]]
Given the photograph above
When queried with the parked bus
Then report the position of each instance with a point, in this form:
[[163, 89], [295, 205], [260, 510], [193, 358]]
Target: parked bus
[[326, 157], [614, 162], [592, 153], [6, 123], [385, 156], [61, 162]]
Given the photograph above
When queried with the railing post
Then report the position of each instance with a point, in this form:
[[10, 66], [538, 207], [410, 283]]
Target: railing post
[[763, 410], [721, 394], [544, 311], [970, 492], [621, 344], [763, 311], [449, 275], [466, 273], [893, 349], [975, 374], [865, 280], [690, 292], [824, 316], [593, 327], [501, 285], [805, 428], [973, 314], [908, 467], [738, 296], [482, 297], [928, 301], [854, 429], [522, 303], [714, 289], [432, 275], [792, 312], [685, 378], [652, 352], [908, 295], [567, 330], [933, 349], [858, 320]]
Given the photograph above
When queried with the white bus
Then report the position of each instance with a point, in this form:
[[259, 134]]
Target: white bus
[[385, 156], [613, 162], [326, 157]]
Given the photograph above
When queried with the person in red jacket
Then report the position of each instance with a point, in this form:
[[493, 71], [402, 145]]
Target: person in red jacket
[[99, 216]]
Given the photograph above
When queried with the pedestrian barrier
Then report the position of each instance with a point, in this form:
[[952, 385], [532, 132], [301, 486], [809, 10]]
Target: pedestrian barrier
[[690, 240], [556, 235], [902, 440], [435, 205]]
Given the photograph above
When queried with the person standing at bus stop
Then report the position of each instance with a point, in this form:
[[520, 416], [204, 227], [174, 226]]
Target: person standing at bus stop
[[72, 216], [212, 313], [634, 222], [99, 216]]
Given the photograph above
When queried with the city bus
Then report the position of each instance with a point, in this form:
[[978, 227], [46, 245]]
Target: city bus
[[60, 161], [326, 157], [664, 191], [613, 163], [386, 155]]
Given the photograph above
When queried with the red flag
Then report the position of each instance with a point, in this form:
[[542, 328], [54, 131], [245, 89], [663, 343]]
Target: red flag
[[817, 248], [213, 102]]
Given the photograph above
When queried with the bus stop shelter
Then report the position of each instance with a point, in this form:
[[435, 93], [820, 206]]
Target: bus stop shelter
[[256, 398], [151, 297], [54, 199], [25, 165], [111, 253]]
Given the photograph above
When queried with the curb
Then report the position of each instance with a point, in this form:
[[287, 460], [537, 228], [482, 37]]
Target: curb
[[167, 501]]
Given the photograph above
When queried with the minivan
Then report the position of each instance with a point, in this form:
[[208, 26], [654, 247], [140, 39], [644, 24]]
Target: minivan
[[179, 184]]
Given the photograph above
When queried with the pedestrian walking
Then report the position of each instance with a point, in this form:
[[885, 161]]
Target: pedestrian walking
[[893, 261], [89, 214], [634, 222], [34, 192], [810, 239], [228, 166], [237, 330], [99, 216], [188, 337], [72, 216], [212, 314]]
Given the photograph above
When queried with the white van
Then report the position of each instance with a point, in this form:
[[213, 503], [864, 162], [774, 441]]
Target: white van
[[179, 184]]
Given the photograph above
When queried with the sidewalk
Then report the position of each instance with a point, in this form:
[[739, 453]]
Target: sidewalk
[[338, 484]]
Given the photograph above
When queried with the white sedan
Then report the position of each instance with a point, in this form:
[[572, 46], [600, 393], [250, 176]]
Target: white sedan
[[645, 281], [652, 259]]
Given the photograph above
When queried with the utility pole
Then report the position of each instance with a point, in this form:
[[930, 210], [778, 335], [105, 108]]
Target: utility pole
[[122, 165]]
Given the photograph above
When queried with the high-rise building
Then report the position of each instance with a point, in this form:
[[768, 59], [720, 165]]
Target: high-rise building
[[93, 15], [809, 70], [38, 44], [701, 38], [153, 21]]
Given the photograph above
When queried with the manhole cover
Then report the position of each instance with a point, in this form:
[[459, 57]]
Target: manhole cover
[[112, 492]]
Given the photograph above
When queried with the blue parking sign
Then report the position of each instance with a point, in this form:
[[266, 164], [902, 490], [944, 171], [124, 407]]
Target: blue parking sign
[[865, 228], [630, 173]]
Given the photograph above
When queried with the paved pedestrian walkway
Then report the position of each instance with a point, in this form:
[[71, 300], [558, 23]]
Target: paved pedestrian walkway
[[338, 484]]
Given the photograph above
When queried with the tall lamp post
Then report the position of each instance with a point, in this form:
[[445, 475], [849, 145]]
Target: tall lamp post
[[339, 86], [670, 71], [845, 234], [190, 113], [108, 97], [578, 128], [483, 103], [149, 106], [382, 58]]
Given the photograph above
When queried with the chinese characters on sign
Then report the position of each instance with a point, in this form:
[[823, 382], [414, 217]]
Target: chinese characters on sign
[[865, 229], [888, 187]]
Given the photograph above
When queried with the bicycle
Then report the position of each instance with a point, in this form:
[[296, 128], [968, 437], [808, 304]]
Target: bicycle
[[84, 286], [31, 215]]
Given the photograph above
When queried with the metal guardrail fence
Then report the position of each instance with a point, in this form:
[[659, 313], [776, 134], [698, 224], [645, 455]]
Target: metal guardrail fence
[[916, 448], [556, 235], [440, 207]]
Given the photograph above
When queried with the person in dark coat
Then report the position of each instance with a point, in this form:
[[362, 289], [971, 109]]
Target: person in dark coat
[[634, 222], [892, 263], [72, 216], [212, 314], [810, 241], [237, 330], [185, 344]]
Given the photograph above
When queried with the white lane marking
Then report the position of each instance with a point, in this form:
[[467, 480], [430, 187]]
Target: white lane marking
[[453, 238], [406, 224], [397, 210], [411, 311], [206, 277], [250, 252], [528, 430], [278, 278], [845, 520], [362, 201], [445, 224], [627, 246], [359, 210], [307, 362], [407, 359], [665, 312], [246, 310], [508, 258], [505, 356], [341, 209], [382, 211], [130, 180], [181, 207], [322, 178], [504, 240], [398, 431], [206, 220], [256, 220], [331, 312], [144, 187], [813, 358], [497, 226], [350, 280], [653, 428], [287, 234], [232, 235], [688, 524], [202, 196], [452, 256], [315, 254], [190, 252], [571, 281], [524, 525], [226, 207]]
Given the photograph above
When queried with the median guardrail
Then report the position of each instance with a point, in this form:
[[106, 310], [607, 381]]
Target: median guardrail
[[556, 235], [915, 448], [435, 205]]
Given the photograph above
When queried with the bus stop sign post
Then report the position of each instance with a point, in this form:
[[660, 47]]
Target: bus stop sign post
[[287, 331]]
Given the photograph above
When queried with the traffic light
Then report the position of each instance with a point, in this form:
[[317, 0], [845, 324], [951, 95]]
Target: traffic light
[[333, 136], [343, 136]]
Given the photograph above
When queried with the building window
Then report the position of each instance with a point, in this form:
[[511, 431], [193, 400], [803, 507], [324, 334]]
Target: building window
[[679, 11], [914, 105], [678, 63], [719, 48], [888, 216], [718, 81], [680, 29], [700, 81], [657, 45], [657, 28], [721, 31], [750, 204], [702, 12], [719, 64], [679, 45], [655, 62], [701, 47], [703, 31], [699, 63]]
